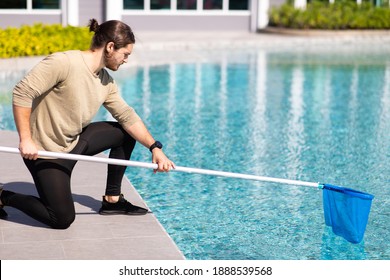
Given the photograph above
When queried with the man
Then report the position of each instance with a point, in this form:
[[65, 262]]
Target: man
[[53, 107]]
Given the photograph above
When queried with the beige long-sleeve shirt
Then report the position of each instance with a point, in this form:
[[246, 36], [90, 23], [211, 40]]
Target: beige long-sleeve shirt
[[65, 96]]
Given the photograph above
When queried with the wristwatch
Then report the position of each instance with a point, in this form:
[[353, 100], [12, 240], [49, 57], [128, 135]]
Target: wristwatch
[[156, 144]]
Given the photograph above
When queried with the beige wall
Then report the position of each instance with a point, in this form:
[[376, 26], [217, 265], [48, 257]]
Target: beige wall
[[96, 9]]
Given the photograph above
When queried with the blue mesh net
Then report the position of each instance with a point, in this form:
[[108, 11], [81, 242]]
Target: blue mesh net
[[346, 211]]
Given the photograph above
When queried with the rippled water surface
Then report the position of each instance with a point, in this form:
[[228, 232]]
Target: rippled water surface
[[316, 117]]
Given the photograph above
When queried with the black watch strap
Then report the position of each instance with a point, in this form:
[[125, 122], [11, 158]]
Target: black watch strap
[[156, 144]]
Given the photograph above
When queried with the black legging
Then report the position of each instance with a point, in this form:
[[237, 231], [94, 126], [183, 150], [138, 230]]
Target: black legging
[[52, 177]]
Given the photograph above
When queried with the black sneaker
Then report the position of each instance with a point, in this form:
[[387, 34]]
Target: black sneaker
[[3, 214], [121, 207]]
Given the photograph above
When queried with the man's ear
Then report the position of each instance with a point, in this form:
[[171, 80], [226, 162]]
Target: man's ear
[[110, 47]]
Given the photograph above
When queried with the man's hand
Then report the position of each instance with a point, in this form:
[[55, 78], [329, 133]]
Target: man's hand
[[28, 149], [164, 164]]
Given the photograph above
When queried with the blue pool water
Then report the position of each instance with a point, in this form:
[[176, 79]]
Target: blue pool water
[[317, 117]]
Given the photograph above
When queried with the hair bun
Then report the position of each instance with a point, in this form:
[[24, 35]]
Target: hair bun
[[94, 25]]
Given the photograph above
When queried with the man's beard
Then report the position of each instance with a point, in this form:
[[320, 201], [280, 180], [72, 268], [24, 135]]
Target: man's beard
[[110, 63]]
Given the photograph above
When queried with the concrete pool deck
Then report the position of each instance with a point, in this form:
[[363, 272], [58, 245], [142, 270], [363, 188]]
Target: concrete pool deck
[[91, 236], [98, 237]]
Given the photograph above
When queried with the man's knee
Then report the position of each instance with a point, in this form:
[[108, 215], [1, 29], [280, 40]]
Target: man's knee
[[63, 222]]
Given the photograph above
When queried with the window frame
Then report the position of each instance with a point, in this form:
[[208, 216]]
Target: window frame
[[198, 11], [31, 10]]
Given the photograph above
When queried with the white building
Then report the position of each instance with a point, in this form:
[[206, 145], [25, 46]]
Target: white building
[[191, 15]]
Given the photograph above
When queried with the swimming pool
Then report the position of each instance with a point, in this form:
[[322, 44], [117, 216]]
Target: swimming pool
[[317, 117]]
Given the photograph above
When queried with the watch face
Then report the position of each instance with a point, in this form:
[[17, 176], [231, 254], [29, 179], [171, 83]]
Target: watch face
[[156, 144]]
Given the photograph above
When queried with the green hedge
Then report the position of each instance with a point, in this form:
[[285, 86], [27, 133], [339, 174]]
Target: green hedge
[[40, 39], [337, 16]]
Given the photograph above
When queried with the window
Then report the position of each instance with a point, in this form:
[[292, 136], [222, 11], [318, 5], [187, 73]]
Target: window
[[133, 4], [160, 4], [35, 4], [212, 4], [186, 4], [238, 5], [46, 4], [13, 4]]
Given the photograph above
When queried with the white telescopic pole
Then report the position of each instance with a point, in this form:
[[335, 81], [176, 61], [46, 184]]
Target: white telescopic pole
[[154, 166]]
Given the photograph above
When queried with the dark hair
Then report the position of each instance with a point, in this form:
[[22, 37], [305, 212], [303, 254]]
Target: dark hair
[[110, 31]]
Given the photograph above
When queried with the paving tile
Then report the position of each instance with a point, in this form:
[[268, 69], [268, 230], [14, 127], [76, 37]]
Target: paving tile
[[32, 251], [147, 248], [25, 234]]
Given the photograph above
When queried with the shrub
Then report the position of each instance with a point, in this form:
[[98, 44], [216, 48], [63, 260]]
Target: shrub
[[340, 15], [40, 39]]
